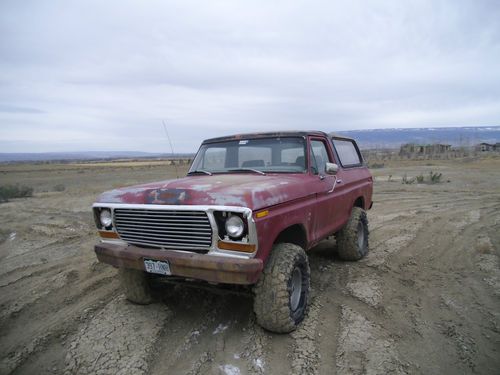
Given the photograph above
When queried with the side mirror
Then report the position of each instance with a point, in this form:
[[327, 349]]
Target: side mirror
[[331, 168]]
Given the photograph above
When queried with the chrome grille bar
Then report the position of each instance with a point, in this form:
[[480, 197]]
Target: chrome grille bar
[[164, 228]]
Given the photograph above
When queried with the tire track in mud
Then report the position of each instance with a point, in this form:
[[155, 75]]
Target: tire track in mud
[[364, 347], [22, 296], [355, 286], [18, 275], [50, 318], [47, 289], [312, 346], [426, 272], [308, 351], [119, 339], [428, 200], [218, 331], [255, 352], [178, 348], [34, 286], [39, 254], [364, 344], [305, 355]]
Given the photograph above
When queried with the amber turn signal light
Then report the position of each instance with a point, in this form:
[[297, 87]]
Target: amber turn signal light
[[243, 247], [105, 234], [260, 214]]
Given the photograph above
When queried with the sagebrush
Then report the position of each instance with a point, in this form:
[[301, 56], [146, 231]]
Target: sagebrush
[[434, 178], [14, 191]]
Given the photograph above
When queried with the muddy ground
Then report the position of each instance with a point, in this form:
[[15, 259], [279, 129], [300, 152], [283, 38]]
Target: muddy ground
[[426, 300]]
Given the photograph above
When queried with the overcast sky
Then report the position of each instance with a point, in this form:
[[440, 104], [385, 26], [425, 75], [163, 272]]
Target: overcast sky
[[102, 75]]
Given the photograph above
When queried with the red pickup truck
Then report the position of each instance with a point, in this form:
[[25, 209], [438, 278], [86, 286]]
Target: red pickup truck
[[248, 210]]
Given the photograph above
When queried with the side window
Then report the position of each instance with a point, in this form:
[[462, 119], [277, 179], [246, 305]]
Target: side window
[[319, 157], [348, 153], [214, 159]]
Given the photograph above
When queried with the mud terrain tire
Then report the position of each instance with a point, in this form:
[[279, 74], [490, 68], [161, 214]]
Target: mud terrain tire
[[135, 285], [352, 240], [282, 292]]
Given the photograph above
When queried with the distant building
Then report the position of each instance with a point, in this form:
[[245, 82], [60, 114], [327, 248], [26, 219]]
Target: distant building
[[412, 149], [486, 147]]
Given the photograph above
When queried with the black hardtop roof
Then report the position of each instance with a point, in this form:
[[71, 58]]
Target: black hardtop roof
[[274, 134]]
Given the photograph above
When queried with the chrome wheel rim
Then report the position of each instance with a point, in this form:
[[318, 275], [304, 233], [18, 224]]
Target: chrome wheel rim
[[296, 288]]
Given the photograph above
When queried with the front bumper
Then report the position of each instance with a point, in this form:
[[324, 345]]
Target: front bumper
[[212, 268]]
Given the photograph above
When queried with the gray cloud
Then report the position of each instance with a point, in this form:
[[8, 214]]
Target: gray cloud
[[11, 109], [94, 75]]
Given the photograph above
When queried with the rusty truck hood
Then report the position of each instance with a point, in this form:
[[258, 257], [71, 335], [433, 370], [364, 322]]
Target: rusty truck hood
[[245, 190]]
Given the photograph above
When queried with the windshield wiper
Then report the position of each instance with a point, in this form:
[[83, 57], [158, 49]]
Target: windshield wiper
[[200, 171], [246, 170]]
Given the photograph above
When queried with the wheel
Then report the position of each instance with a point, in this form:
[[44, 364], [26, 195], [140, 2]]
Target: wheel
[[135, 285], [282, 292], [352, 240]]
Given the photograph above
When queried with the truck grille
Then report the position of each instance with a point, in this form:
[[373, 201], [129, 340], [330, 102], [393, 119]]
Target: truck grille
[[164, 228]]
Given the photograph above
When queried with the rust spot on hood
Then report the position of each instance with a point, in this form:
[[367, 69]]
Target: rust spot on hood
[[168, 196]]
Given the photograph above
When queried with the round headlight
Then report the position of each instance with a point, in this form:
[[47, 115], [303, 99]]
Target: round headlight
[[105, 217], [235, 226]]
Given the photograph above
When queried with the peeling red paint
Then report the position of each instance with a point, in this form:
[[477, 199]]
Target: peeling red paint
[[245, 190]]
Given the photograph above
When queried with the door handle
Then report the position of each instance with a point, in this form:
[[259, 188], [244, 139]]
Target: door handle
[[335, 181], [339, 181]]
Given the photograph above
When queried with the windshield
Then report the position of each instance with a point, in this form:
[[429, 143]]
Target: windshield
[[278, 154]]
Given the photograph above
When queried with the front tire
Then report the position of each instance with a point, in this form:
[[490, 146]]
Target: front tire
[[352, 240], [135, 285], [282, 292]]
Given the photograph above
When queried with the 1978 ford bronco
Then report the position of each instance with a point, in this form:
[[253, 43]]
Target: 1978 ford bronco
[[247, 212]]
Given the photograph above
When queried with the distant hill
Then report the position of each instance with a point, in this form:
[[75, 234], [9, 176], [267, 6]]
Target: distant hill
[[393, 138], [375, 138], [83, 155]]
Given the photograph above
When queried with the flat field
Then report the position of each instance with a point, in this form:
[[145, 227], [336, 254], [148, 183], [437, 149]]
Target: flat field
[[426, 299]]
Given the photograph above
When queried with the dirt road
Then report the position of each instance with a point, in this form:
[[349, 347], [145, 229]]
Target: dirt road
[[426, 300]]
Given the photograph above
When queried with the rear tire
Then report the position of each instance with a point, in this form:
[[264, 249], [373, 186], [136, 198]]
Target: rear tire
[[352, 240], [135, 285], [282, 292]]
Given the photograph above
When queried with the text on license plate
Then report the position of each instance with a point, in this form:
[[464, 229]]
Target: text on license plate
[[156, 266]]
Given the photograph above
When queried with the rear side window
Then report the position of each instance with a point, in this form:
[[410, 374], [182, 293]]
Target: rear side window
[[347, 152]]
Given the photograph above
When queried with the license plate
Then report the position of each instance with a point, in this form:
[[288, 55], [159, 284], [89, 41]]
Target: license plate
[[156, 266]]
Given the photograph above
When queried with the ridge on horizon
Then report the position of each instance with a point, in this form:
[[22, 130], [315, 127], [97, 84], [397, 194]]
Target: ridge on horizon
[[367, 138], [466, 136], [482, 127]]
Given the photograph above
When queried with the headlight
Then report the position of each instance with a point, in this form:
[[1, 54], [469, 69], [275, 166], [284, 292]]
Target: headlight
[[106, 218], [235, 226]]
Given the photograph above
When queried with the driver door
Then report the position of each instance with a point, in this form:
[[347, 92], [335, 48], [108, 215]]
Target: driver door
[[326, 214]]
